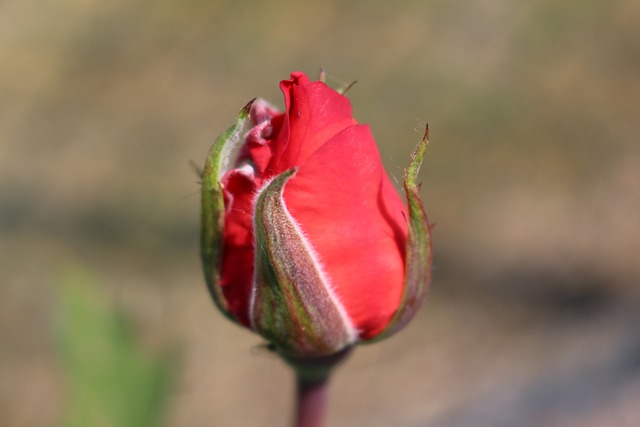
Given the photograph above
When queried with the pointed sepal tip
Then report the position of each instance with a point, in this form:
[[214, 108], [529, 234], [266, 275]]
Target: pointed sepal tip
[[418, 248]]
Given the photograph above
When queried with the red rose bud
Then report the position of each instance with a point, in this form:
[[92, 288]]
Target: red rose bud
[[304, 239]]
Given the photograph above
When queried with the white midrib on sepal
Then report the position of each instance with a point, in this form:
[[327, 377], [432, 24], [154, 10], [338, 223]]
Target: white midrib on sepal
[[317, 263]]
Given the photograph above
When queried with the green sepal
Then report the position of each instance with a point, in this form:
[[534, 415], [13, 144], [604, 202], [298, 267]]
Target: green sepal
[[418, 249], [212, 206], [292, 304]]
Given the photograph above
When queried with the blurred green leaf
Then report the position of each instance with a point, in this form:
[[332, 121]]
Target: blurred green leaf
[[112, 382]]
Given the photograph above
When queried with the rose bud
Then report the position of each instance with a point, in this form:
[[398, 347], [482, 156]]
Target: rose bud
[[304, 238]]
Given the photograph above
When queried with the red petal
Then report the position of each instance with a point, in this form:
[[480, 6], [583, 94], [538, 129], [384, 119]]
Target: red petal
[[344, 202], [315, 113], [237, 259]]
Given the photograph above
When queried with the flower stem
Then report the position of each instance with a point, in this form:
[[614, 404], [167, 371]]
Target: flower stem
[[311, 401], [312, 386]]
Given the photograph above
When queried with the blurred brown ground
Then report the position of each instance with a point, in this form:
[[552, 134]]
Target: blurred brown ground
[[532, 178]]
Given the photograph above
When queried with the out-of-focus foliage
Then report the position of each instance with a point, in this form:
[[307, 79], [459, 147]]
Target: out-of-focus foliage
[[112, 381]]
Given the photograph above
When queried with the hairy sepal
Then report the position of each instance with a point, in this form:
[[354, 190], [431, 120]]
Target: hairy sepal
[[212, 206], [418, 249], [293, 305]]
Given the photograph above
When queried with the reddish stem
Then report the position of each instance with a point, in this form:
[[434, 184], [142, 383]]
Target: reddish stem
[[311, 402], [312, 386]]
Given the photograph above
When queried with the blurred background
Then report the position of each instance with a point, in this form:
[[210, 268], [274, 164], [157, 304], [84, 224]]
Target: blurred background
[[532, 177]]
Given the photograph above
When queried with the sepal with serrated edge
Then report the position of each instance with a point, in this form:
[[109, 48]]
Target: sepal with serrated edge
[[212, 206], [293, 305]]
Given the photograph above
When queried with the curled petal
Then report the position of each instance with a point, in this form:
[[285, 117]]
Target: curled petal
[[315, 113]]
